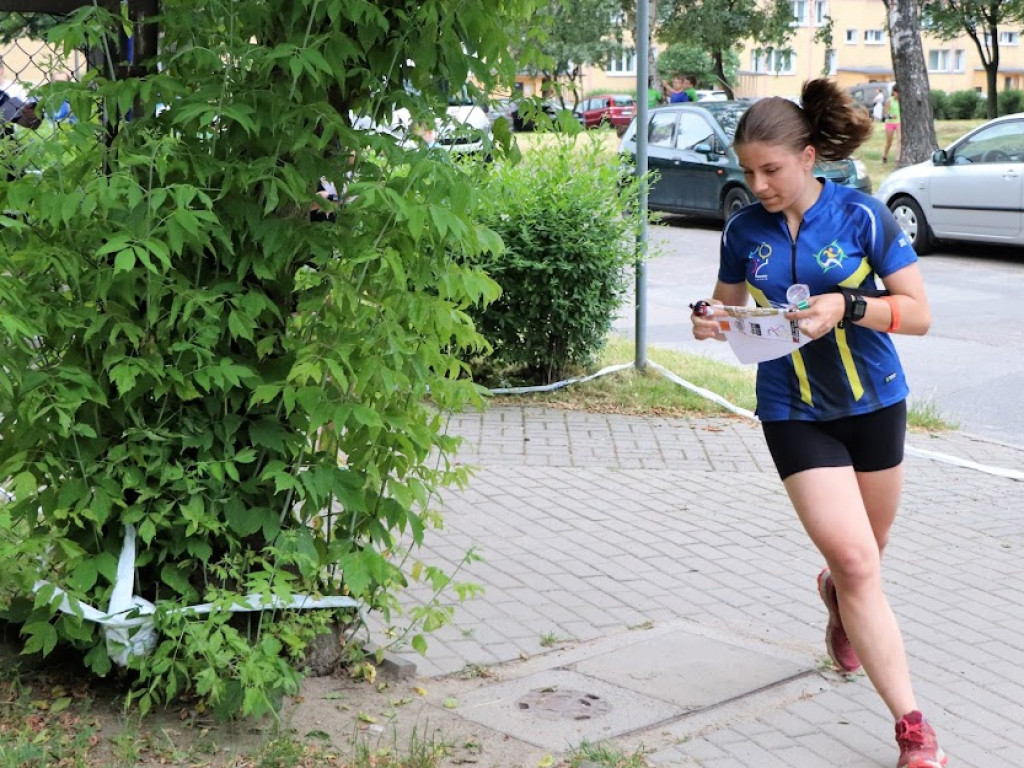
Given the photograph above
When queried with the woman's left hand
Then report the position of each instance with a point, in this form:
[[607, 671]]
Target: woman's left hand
[[823, 313]]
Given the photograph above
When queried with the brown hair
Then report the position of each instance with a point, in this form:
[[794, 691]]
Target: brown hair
[[829, 120]]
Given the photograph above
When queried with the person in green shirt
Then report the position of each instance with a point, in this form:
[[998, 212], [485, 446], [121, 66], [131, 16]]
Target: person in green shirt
[[654, 96], [892, 123]]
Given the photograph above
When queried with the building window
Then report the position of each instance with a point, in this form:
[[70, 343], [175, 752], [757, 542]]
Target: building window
[[773, 62], [874, 36], [799, 12], [820, 12], [938, 60], [623, 63], [851, 37], [1009, 38], [959, 61], [830, 60]]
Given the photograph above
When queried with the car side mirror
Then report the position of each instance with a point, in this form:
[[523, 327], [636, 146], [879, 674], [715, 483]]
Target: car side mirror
[[939, 157], [706, 149]]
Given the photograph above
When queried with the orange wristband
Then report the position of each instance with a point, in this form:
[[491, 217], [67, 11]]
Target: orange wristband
[[894, 309]]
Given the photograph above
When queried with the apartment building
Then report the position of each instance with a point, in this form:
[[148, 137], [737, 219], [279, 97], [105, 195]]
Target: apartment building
[[859, 53]]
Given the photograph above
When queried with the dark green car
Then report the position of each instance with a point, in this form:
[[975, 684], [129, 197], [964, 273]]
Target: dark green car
[[695, 171]]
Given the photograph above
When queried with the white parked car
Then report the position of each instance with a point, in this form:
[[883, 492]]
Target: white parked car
[[706, 95], [971, 190], [464, 129]]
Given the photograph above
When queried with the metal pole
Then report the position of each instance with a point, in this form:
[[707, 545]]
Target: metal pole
[[642, 39]]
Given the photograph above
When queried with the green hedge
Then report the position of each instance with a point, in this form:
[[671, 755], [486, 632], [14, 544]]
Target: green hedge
[[568, 242], [969, 105]]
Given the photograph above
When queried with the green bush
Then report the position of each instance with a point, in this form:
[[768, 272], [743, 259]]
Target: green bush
[[941, 109], [185, 352], [964, 105], [1010, 102], [560, 213]]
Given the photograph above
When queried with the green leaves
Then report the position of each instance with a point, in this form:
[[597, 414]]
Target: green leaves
[[186, 352], [563, 215]]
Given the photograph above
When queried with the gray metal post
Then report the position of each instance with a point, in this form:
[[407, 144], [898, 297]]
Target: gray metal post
[[642, 39]]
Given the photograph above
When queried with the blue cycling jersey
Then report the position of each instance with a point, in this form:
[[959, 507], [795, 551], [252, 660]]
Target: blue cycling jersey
[[846, 239]]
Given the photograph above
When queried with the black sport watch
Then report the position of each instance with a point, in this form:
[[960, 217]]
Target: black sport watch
[[856, 306]]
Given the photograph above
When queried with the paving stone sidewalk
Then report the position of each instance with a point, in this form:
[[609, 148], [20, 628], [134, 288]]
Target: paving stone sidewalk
[[592, 526]]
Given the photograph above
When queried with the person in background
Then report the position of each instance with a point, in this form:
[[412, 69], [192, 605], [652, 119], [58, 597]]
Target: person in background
[[655, 96], [682, 89], [878, 105], [892, 124], [833, 412]]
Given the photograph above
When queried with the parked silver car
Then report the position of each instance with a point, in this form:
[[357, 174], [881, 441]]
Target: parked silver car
[[971, 190]]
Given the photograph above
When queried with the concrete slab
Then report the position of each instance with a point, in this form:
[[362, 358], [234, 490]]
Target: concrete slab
[[626, 688], [545, 709], [690, 671]]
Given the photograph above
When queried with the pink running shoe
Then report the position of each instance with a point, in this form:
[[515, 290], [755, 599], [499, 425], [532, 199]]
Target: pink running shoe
[[918, 745], [836, 642]]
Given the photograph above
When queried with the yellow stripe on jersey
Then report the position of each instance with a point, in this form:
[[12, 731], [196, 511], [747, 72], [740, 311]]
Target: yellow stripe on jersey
[[847, 357], [758, 295], [854, 280], [801, 377], [798, 362]]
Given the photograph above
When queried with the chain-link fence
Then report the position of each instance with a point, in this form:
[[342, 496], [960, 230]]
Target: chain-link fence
[[27, 61]]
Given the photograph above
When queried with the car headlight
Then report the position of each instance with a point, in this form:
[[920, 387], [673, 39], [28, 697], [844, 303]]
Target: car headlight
[[860, 169]]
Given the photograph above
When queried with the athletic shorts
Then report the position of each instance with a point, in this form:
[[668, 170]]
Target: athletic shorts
[[891, 127], [868, 442]]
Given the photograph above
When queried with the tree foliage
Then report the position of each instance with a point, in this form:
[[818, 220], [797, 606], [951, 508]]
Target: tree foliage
[[261, 396], [721, 26], [687, 60], [980, 20], [15, 25], [572, 34]]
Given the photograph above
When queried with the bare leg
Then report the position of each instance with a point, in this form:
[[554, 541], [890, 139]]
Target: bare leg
[[888, 143], [832, 503]]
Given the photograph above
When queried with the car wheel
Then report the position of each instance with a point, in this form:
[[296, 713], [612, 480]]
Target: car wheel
[[910, 217], [735, 198]]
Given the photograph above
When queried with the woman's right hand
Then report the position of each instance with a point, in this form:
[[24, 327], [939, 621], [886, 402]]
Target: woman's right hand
[[705, 325]]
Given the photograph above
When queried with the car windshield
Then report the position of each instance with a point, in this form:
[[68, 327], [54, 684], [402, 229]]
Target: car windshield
[[728, 114]]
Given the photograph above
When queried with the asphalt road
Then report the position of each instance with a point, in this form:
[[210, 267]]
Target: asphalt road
[[970, 365]]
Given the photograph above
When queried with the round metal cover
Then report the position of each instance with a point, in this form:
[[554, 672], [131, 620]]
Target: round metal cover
[[555, 704]]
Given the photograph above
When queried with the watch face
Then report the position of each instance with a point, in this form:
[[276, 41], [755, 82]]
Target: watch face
[[860, 306]]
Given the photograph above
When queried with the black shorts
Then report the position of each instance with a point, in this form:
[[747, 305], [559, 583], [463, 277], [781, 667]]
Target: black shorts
[[869, 443]]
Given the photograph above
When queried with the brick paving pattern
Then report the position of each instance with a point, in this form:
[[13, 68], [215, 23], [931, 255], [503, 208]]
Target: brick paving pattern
[[592, 524]]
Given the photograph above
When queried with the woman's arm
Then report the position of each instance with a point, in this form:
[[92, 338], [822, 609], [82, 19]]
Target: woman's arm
[[907, 302], [905, 310]]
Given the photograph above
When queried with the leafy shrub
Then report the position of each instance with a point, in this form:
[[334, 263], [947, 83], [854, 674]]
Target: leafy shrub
[[941, 109], [560, 213], [1010, 102], [187, 353], [964, 105]]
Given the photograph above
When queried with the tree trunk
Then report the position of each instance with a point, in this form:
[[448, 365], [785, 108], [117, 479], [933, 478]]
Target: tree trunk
[[653, 76], [718, 61], [917, 129], [992, 74]]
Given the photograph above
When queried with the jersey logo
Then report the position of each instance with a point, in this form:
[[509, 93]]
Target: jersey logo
[[830, 256], [760, 258]]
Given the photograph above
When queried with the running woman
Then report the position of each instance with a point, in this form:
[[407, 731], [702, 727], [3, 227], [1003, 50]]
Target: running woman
[[834, 411]]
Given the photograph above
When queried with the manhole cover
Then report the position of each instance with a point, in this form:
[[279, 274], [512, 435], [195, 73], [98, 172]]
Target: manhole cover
[[555, 704]]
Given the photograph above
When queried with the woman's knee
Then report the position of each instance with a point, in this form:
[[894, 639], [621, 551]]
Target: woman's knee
[[855, 566]]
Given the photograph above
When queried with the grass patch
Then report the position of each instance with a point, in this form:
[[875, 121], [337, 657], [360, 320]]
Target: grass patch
[[924, 416], [649, 393], [606, 756], [870, 153]]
